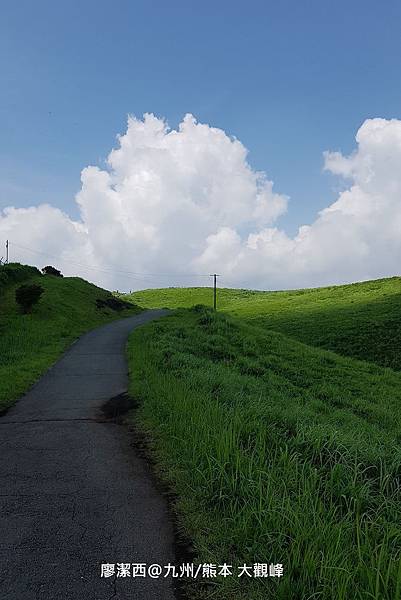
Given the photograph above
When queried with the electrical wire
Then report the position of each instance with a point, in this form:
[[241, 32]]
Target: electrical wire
[[112, 270]]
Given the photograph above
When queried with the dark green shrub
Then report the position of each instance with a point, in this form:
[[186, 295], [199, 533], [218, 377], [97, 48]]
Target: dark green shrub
[[49, 270], [199, 308], [14, 272], [112, 303], [27, 296]]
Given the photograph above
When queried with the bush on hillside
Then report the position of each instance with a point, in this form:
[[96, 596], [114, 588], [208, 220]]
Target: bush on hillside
[[14, 272], [49, 270], [112, 303], [27, 296], [199, 308]]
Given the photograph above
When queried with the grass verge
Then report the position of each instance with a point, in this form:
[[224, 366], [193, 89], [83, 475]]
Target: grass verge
[[31, 343], [278, 452], [360, 320]]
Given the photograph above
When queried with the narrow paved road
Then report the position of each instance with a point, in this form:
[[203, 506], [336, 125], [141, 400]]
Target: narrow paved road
[[73, 494]]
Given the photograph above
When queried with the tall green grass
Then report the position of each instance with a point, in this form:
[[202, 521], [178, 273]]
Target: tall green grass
[[360, 320], [278, 452], [30, 343]]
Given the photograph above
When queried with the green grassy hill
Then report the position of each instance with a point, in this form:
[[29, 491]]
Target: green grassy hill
[[30, 343], [277, 452], [280, 444], [362, 320]]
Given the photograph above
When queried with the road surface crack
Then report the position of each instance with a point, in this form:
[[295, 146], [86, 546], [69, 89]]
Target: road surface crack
[[83, 419]]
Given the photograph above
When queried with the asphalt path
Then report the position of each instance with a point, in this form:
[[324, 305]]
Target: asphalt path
[[73, 492]]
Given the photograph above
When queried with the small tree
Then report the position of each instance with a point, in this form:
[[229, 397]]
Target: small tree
[[27, 296], [49, 270]]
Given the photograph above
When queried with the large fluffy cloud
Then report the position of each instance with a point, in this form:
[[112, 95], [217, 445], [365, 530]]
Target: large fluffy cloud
[[173, 203]]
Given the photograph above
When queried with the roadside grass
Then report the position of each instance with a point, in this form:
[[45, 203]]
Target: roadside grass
[[361, 320], [278, 453], [31, 343]]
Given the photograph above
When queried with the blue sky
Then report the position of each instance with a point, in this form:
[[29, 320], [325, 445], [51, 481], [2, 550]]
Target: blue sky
[[289, 79]]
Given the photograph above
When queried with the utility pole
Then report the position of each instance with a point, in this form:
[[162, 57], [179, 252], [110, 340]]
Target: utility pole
[[7, 244], [215, 276]]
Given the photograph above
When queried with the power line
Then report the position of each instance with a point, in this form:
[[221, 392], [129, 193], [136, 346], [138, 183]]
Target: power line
[[112, 269], [132, 274]]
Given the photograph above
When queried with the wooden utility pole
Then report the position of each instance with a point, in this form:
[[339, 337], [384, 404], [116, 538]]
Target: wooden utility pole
[[7, 244], [215, 276]]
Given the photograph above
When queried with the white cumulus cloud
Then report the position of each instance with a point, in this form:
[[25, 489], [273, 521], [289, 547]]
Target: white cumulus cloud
[[177, 202]]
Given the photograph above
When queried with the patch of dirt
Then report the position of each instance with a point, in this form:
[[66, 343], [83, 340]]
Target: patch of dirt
[[117, 407]]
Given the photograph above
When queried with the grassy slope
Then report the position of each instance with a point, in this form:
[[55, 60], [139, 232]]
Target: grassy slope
[[361, 320], [29, 344], [278, 452]]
